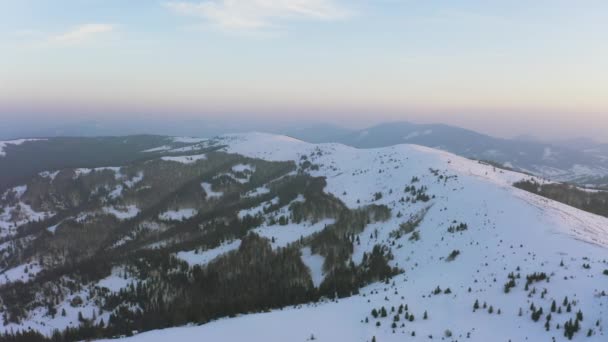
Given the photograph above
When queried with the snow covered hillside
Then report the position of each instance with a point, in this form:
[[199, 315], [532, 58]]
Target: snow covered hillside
[[297, 241], [581, 162], [482, 260]]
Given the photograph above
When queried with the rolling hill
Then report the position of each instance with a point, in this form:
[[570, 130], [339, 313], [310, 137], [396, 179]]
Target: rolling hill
[[566, 161], [263, 237]]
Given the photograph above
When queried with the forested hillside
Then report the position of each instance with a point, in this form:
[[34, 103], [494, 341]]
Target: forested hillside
[[266, 238]]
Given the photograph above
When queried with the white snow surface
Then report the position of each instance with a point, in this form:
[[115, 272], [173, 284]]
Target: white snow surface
[[122, 213], [189, 140], [13, 216], [284, 235], [19, 273], [314, 262], [210, 193], [259, 209], [84, 171], [49, 174], [136, 179], [53, 228], [158, 149], [177, 215], [19, 190], [39, 320], [257, 192], [116, 192], [204, 257], [186, 159], [114, 282], [243, 167]]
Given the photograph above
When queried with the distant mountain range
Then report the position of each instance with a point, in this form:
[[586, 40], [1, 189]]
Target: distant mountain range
[[580, 161]]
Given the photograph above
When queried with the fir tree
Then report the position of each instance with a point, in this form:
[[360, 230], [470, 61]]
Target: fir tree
[[375, 313]]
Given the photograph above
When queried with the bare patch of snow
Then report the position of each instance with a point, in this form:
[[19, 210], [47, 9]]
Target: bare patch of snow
[[84, 171], [243, 167], [12, 217], [52, 229], [158, 149], [22, 273], [186, 159], [136, 179], [178, 215], [257, 192], [189, 140], [204, 257], [116, 192], [314, 262], [281, 236], [115, 282], [48, 174], [20, 190], [122, 213], [257, 209], [210, 193]]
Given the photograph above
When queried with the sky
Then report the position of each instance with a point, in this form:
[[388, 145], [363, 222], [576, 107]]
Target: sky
[[501, 67]]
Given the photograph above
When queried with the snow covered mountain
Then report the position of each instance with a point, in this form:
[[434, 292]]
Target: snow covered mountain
[[571, 161], [444, 248]]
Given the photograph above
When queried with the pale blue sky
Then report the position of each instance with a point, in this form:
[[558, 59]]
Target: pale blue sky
[[487, 65]]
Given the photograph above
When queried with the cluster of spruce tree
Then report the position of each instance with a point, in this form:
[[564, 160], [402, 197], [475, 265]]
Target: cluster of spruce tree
[[593, 202], [460, 227]]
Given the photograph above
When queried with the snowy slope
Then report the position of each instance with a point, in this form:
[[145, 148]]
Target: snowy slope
[[509, 230]]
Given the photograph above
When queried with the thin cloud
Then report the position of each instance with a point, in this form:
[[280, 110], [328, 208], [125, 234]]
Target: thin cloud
[[81, 33], [255, 15]]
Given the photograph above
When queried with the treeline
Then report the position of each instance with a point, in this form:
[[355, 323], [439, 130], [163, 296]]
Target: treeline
[[595, 202]]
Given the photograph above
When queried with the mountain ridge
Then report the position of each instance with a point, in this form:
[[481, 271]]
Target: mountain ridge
[[581, 165], [355, 230]]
